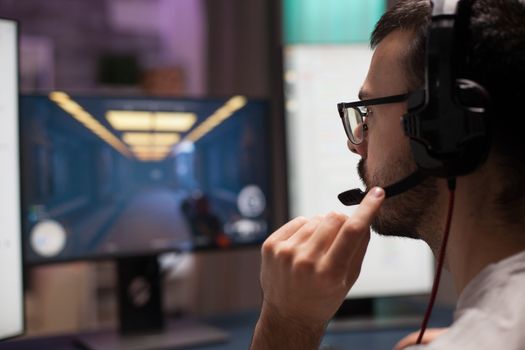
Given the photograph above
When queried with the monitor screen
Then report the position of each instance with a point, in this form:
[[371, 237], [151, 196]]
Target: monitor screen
[[115, 176], [11, 292], [317, 77]]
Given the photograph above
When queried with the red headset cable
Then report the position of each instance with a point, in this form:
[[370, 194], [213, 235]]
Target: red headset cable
[[451, 187]]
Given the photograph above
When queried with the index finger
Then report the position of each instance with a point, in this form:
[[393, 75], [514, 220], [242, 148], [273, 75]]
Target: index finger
[[348, 237], [409, 340], [369, 207]]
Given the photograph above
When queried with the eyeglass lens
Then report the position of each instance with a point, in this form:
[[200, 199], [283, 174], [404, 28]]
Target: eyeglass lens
[[353, 124]]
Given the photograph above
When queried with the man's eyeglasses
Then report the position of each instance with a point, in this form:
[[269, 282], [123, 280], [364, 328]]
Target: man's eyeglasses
[[354, 114]]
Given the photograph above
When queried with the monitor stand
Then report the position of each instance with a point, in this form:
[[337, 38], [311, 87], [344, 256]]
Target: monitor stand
[[141, 320], [375, 313]]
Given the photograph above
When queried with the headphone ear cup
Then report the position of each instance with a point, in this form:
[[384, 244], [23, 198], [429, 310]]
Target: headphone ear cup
[[464, 128], [472, 96]]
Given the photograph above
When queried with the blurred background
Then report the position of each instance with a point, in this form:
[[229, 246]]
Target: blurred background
[[166, 47]]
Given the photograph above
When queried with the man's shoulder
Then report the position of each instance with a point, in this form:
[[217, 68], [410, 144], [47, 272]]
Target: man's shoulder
[[490, 311]]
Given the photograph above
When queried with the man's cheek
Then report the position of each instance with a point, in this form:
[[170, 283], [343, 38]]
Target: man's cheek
[[374, 161]]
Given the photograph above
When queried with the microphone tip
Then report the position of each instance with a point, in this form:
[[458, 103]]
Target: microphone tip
[[351, 197]]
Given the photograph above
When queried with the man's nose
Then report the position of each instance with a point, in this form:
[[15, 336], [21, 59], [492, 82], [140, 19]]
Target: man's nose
[[358, 149]]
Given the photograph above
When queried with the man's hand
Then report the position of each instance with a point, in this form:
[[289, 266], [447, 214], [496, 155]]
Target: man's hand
[[428, 337], [308, 267]]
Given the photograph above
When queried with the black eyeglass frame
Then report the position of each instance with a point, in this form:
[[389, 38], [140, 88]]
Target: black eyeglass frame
[[364, 103]]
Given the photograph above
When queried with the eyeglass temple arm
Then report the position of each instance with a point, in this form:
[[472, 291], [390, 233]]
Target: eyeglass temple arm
[[375, 101]]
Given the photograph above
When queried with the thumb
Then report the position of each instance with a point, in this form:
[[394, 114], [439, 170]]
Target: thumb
[[430, 335]]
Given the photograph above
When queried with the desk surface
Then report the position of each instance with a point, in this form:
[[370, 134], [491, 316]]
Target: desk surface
[[240, 327]]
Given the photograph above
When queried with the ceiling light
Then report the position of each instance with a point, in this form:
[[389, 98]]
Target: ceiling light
[[58, 96], [139, 149], [150, 157], [157, 139], [151, 121], [236, 102], [70, 106], [231, 106], [130, 120], [174, 121]]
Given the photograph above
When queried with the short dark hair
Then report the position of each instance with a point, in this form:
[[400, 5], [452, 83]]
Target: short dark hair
[[497, 61], [412, 16]]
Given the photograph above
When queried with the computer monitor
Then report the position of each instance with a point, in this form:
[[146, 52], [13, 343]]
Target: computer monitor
[[128, 178], [11, 290], [317, 77], [114, 177]]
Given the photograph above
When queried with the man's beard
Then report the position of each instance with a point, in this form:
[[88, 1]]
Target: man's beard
[[401, 215]]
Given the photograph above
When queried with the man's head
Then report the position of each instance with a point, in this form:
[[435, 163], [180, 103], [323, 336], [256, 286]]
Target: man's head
[[386, 151], [497, 46]]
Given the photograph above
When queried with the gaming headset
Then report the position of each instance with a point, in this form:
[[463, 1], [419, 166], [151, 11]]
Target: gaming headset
[[447, 122]]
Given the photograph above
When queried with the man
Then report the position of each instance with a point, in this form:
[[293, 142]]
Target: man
[[309, 265]]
